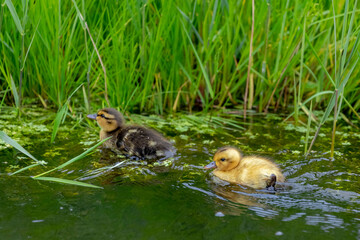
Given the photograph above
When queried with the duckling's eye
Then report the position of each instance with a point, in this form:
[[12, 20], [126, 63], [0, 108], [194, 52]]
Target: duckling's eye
[[222, 159], [107, 118]]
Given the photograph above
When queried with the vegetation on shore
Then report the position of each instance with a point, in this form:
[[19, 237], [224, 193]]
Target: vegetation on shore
[[165, 56], [168, 55]]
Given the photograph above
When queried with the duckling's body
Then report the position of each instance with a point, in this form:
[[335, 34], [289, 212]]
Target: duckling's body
[[130, 140], [253, 171]]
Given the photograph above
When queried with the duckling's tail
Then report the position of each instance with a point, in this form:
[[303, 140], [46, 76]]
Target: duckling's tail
[[271, 182]]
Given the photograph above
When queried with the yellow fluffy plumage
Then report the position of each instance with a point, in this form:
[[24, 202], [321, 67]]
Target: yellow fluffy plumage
[[253, 171]]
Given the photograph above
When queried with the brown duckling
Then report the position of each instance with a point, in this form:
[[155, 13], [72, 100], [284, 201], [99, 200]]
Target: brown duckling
[[252, 171], [132, 141]]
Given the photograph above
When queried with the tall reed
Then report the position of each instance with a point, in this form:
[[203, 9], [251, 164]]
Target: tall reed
[[167, 55]]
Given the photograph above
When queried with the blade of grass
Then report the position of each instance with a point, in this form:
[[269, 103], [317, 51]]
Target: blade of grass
[[334, 125], [9, 140], [264, 62], [86, 100], [191, 80], [325, 116], [335, 44], [281, 37], [318, 58], [281, 75], [299, 97], [308, 100], [307, 112], [214, 15], [84, 25], [66, 181], [192, 26], [352, 109], [250, 55], [137, 33], [73, 159], [313, 141], [15, 16], [58, 120], [14, 92], [60, 116], [99, 171], [3, 99], [206, 77], [308, 128], [28, 50], [26, 168], [296, 101], [1, 15]]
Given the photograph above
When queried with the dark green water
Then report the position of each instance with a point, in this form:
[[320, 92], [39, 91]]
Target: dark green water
[[180, 200]]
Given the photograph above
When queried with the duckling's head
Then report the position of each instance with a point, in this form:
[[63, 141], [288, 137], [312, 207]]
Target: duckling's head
[[109, 119], [225, 159]]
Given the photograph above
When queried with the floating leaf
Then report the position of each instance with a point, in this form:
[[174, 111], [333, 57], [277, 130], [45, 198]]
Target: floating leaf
[[25, 168], [66, 181]]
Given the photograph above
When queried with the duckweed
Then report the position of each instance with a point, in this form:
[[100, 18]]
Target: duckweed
[[180, 185]]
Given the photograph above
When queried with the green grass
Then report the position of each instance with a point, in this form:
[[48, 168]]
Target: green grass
[[162, 56], [165, 56]]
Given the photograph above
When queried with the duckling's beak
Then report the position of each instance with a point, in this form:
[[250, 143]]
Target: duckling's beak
[[211, 165], [92, 116]]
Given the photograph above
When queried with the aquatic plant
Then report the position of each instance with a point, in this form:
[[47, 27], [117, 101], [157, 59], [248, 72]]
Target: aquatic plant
[[8, 140], [160, 56]]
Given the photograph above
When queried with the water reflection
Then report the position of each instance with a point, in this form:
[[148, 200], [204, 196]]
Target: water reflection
[[320, 194], [297, 193], [326, 221]]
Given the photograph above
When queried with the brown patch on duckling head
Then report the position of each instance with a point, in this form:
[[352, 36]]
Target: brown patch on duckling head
[[109, 119], [227, 158]]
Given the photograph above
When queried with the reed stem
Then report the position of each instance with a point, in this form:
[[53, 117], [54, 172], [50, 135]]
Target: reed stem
[[250, 55], [334, 126]]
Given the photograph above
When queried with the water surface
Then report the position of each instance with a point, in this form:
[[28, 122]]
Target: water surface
[[178, 199]]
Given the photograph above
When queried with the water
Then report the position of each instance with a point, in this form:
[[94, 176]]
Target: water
[[179, 199]]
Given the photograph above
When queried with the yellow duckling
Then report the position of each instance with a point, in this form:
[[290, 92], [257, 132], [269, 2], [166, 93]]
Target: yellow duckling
[[134, 141], [252, 171]]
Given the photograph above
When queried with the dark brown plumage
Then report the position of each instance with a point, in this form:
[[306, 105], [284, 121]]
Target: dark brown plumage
[[133, 141]]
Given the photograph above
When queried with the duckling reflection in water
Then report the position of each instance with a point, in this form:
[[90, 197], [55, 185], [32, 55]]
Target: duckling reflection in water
[[238, 198], [132, 141], [252, 171]]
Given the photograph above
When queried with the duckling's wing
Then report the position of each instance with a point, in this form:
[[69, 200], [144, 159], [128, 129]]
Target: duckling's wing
[[142, 142], [125, 141], [151, 144]]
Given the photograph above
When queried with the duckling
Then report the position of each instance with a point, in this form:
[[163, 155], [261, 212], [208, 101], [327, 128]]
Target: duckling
[[132, 141], [252, 171]]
